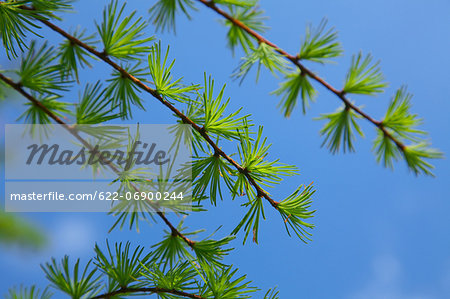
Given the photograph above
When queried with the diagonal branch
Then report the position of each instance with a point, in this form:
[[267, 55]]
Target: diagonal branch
[[295, 59], [155, 290], [73, 131], [103, 56]]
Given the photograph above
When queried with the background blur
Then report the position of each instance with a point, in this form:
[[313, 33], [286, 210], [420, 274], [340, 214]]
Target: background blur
[[379, 233]]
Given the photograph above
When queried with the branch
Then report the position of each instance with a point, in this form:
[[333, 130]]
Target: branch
[[103, 56], [295, 59], [74, 132], [154, 290]]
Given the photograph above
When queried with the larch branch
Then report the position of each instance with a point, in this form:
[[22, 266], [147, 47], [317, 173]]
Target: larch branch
[[295, 59]]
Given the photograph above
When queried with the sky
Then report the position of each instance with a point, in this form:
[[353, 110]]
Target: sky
[[379, 233]]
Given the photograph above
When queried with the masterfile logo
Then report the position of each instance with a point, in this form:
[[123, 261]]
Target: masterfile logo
[[53, 154], [78, 168]]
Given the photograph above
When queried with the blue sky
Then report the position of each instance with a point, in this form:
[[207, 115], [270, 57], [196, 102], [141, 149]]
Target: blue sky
[[379, 233]]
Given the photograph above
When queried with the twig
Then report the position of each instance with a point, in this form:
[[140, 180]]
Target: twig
[[155, 290], [103, 56], [295, 59], [18, 88]]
